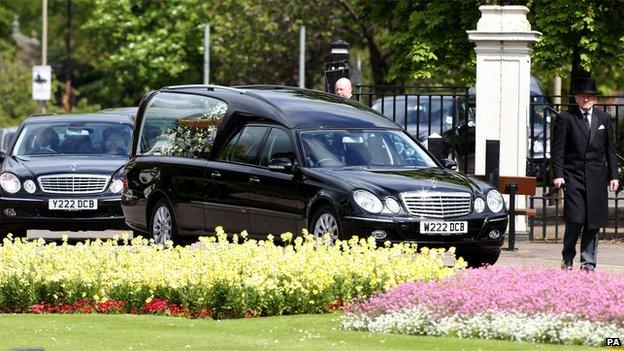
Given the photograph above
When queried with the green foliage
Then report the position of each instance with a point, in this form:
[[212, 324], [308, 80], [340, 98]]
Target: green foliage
[[15, 89], [590, 29], [147, 44], [427, 39]]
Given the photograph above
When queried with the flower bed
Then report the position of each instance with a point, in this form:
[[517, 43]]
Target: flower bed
[[539, 305], [214, 277]]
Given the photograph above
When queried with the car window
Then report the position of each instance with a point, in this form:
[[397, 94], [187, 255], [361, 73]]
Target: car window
[[362, 148], [244, 146], [277, 146], [182, 125], [70, 137]]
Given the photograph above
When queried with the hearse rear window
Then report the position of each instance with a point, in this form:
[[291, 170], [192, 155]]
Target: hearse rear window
[[180, 125]]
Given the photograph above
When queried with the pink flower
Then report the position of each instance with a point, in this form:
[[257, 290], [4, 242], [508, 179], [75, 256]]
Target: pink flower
[[596, 296]]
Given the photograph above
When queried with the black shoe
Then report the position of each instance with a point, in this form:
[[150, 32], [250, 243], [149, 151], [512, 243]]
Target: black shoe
[[567, 265], [587, 268]]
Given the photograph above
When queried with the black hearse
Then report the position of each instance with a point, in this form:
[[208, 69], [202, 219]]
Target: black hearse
[[63, 172], [270, 159]]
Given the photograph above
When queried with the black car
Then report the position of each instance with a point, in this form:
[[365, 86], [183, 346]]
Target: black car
[[449, 116], [278, 159], [62, 172], [444, 115]]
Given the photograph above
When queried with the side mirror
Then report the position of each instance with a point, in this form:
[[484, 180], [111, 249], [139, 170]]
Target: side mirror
[[280, 164], [449, 164]]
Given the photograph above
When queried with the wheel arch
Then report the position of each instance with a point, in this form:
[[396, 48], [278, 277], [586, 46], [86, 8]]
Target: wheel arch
[[316, 204], [153, 198]]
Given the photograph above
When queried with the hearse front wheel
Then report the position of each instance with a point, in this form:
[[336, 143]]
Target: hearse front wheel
[[325, 220]]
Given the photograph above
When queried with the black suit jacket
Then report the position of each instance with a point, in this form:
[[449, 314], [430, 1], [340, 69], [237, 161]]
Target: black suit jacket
[[586, 160]]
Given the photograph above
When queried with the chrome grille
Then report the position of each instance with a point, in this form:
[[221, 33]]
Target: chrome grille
[[437, 204], [73, 183]]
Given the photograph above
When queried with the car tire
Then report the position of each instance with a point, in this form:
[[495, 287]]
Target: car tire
[[476, 259], [326, 220], [162, 223]]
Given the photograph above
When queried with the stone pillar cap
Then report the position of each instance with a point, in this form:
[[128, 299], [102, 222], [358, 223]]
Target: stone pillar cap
[[496, 18]]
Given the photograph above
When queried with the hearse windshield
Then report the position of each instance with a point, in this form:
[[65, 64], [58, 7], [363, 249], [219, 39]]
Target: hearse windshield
[[86, 138], [363, 148]]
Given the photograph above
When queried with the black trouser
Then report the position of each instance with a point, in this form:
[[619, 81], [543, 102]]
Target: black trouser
[[589, 244]]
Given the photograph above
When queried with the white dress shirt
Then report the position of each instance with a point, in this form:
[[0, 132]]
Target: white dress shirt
[[589, 114]]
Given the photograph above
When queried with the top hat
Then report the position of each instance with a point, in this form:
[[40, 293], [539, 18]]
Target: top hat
[[585, 86]]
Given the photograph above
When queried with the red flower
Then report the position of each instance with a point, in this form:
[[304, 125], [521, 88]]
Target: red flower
[[156, 306], [111, 306], [250, 313], [336, 305]]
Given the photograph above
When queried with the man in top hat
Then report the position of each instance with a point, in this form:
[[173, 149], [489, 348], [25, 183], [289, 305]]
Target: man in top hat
[[585, 164]]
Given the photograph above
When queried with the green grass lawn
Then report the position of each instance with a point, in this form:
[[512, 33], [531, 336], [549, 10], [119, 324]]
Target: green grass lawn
[[303, 332]]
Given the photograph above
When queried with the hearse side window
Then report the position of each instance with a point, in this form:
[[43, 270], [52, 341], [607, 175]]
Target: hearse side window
[[180, 125], [245, 145], [277, 146]]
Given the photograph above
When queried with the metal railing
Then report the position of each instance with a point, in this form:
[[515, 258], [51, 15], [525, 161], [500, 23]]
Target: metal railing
[[444, 110], [549, 223], [450, 112]]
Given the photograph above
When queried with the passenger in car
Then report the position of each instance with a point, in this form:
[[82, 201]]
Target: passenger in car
[[113, 142], [46, 141]]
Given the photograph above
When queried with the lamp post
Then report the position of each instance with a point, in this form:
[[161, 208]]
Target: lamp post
[[338, 66]]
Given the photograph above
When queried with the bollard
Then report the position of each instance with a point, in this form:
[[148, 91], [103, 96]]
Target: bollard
[[492, 161], [512, 188], [434, 145]]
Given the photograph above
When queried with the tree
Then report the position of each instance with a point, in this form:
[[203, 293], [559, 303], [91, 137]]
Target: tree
[[15, 89], [580, 38], [427, 39], [143, 45]]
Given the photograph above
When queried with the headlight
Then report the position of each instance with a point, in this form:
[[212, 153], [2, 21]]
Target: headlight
[[10, 183], [479, 205], [116, 186], [392, 205], [495, 201], [30, 186], [367, 201]]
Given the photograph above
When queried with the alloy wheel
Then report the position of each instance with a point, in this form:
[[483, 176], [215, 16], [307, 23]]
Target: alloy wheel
[[326, 223], [161, 225]]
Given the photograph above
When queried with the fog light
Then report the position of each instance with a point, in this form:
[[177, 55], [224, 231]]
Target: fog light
[[379, 234], [495, 234], [9, 212]]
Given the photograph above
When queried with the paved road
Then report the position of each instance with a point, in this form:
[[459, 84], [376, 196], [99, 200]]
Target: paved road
[[46, 234], [537, 254], [548, 254]]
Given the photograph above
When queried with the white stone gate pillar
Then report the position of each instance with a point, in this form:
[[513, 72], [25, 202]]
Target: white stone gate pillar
[[503, 44]]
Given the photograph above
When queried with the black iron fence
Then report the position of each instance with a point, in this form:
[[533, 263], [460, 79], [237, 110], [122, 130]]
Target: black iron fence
[[445, 111], [549, 223], [450, 113]]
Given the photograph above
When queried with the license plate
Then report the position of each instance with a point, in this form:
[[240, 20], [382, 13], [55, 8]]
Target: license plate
[[444, 228], [72, 204]]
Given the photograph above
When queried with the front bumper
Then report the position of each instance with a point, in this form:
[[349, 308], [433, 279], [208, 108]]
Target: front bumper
[[407, 229], [33, 213]]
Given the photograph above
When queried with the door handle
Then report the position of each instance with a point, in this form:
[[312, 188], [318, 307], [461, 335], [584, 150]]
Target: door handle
[[254, 180], [215, 174]]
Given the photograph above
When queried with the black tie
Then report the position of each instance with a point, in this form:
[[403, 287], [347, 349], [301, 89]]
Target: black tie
[[586, 115]]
